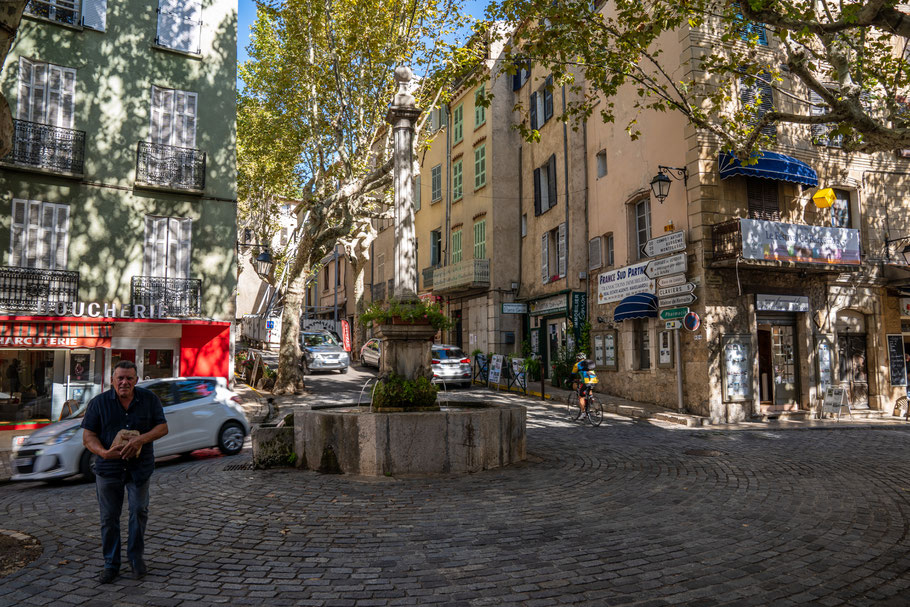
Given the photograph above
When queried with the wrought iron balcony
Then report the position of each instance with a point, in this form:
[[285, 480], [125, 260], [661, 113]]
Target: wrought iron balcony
[[36, 289], [756, 240], [170, 296], [379, 291], [62, 11], [47, 147], [462, 276], [168, 166], [428, 276]]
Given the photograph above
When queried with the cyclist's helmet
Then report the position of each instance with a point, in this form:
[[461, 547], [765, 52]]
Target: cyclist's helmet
[[581, 356]]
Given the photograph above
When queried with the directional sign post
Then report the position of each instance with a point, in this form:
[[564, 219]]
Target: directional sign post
[[674, 313], [671, 281], [676, 300], [673, 324], [668, 243], [665, 266], [677, 290]]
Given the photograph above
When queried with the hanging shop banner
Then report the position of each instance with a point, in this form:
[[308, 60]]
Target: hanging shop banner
[[346, 335], [616, 285], [579, 313], [896, 361], [776, 241]]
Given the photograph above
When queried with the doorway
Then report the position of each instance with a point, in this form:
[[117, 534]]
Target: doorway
[[458, 341], [556, 339], [853, 369], [778, 370]]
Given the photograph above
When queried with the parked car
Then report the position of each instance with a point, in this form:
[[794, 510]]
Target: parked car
[[450, 365], [371, 352], [201, 412], [322, 352]]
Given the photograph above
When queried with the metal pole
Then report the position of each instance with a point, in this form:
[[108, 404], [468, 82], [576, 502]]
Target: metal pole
[[679, 374]]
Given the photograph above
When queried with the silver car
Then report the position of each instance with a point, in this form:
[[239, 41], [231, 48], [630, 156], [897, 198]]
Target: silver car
[[322, 352], [450, 365], [371, 353], [201, 412]]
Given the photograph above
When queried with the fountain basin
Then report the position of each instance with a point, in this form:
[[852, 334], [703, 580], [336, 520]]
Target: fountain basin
[[462, 437]]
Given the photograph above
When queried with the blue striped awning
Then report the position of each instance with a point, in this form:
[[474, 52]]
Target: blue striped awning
[[640, 305], [770, 165]]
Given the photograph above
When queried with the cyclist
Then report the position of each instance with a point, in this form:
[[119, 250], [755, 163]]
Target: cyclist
[[584, 379]]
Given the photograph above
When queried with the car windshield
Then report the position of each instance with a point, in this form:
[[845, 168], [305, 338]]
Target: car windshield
[[319, 339], [451, 353]]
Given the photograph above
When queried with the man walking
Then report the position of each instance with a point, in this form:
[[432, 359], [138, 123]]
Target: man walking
[[126, 466]]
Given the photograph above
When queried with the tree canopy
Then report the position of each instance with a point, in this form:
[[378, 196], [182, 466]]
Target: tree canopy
[[840, 66]]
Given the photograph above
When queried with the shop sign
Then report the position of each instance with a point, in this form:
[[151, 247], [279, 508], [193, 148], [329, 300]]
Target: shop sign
[[579, 311], [667, 265], [95, 309], [514, 308], [781, 303], [668, 243], [896, 361], [550, 305], [616, 285], [776, 241], [496, 368], [905, 306]]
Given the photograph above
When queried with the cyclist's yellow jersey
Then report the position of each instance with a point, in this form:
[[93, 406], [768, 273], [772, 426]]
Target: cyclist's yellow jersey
[[588, 377]]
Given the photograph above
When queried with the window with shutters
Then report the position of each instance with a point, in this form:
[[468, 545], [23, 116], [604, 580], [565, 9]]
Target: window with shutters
[[759, 96], [438, 119], [94, 14], [456, 246], [436, 185], [608, 246], [480, 239], [522, 73], [380, 269], [748, 29], [840, 210], [821, 132], [180, 25], [458, 180], [39, 235], [553, 254], [173, 117], [167, 247], [47, 93], [542, 104], [763, 201], [595, 253], [458, 124], [480, 112], [545, 186], [417, 193], [480, 167], [435, 247], [61, 11], [642, 226], [325, 278]]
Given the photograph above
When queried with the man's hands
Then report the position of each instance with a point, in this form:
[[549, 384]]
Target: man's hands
[[112, 453], [131, 449]]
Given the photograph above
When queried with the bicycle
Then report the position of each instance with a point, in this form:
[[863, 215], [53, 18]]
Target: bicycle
[[594, 410]]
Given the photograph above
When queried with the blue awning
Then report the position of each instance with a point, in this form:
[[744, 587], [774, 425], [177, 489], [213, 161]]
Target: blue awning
[[770, 165], [640, 305]]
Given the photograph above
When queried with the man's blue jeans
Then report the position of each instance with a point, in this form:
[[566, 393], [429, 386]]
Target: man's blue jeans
[[110, 503]]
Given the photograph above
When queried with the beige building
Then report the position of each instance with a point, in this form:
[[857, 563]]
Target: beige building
[[790, 298]]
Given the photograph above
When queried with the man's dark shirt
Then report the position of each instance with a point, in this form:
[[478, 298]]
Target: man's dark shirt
[[105, 416]]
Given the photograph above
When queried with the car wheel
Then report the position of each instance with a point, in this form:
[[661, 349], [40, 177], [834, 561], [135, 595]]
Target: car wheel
[[343, 371], [87, 466], [230, 438]]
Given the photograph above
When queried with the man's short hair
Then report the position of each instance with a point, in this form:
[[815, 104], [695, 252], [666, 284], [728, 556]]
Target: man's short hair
[[125, 364]]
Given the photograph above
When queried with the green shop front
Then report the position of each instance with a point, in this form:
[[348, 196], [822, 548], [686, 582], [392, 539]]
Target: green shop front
[[555, 325]]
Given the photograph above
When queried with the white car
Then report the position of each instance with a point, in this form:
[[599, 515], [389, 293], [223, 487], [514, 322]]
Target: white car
[[201, 412]]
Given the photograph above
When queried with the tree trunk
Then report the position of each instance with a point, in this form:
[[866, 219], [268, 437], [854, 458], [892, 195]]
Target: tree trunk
[[358, 330], [10, 16], [290, 377]]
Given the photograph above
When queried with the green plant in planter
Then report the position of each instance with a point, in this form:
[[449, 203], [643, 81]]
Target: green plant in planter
[[397, 391], [417, 311]]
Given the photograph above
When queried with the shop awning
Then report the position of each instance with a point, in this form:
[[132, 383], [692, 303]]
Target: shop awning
[[640, 305], [55, 335], [770, 165]]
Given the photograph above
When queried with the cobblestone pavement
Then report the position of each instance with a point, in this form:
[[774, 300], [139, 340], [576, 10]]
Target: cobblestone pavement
[[630, 513]]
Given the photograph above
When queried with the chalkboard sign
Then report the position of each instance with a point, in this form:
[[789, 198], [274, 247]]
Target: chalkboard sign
[[896, 360]]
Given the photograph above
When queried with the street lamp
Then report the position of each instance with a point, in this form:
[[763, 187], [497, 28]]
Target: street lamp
[[904, 252], [660, 185], [263, 262]]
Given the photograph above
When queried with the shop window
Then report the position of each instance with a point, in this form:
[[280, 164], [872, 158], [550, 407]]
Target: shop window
[[157, 363], [840, 210], [763, 200], [643, 341]]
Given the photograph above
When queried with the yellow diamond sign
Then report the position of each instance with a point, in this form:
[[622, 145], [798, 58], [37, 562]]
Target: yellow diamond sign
[[824, 198]]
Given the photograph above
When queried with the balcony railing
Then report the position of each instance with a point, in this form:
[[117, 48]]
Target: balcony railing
[[47, 147], [62, 11], [170, 296], [760, 240], [170, 167], [36, 289], [428, 276], [379, 291], [462, 276]]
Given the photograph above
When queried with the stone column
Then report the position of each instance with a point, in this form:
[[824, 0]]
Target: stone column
[[402, 114]]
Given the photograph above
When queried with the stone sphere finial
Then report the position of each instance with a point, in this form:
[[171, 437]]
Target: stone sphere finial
[[403, 74], [403, 77]]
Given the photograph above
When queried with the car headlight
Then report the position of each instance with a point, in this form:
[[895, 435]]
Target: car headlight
[[62, 437]]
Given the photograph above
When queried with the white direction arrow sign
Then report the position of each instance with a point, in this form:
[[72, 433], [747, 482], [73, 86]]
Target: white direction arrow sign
[[676, 300], [673, 324], [671, 281], [677, 290], [667, 265], [668, 243]]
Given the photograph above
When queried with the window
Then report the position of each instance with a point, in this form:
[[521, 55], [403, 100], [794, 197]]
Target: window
[[39, 235], [158, 363], [601, 163], [609, 253], [480, 239], [458, 124], [820, 132], [438, 118], [180, 25], [457, 180], [62, 11], [762, 196], [94, 14], [194, 389], [480, 112], [480, 167], [47, 93], [758, 94], [749, 29], [840, 210], [595, 253], [642, 226], [542, 104], [338, 270], [522, 73], [161, 389], [553, 254], [524, 225], [417, 193], [325, 278], [643, 335], [436, 190], [167, 247], [435, 247], [456, 246], [173, 118], [380, 269], [545, 186]]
